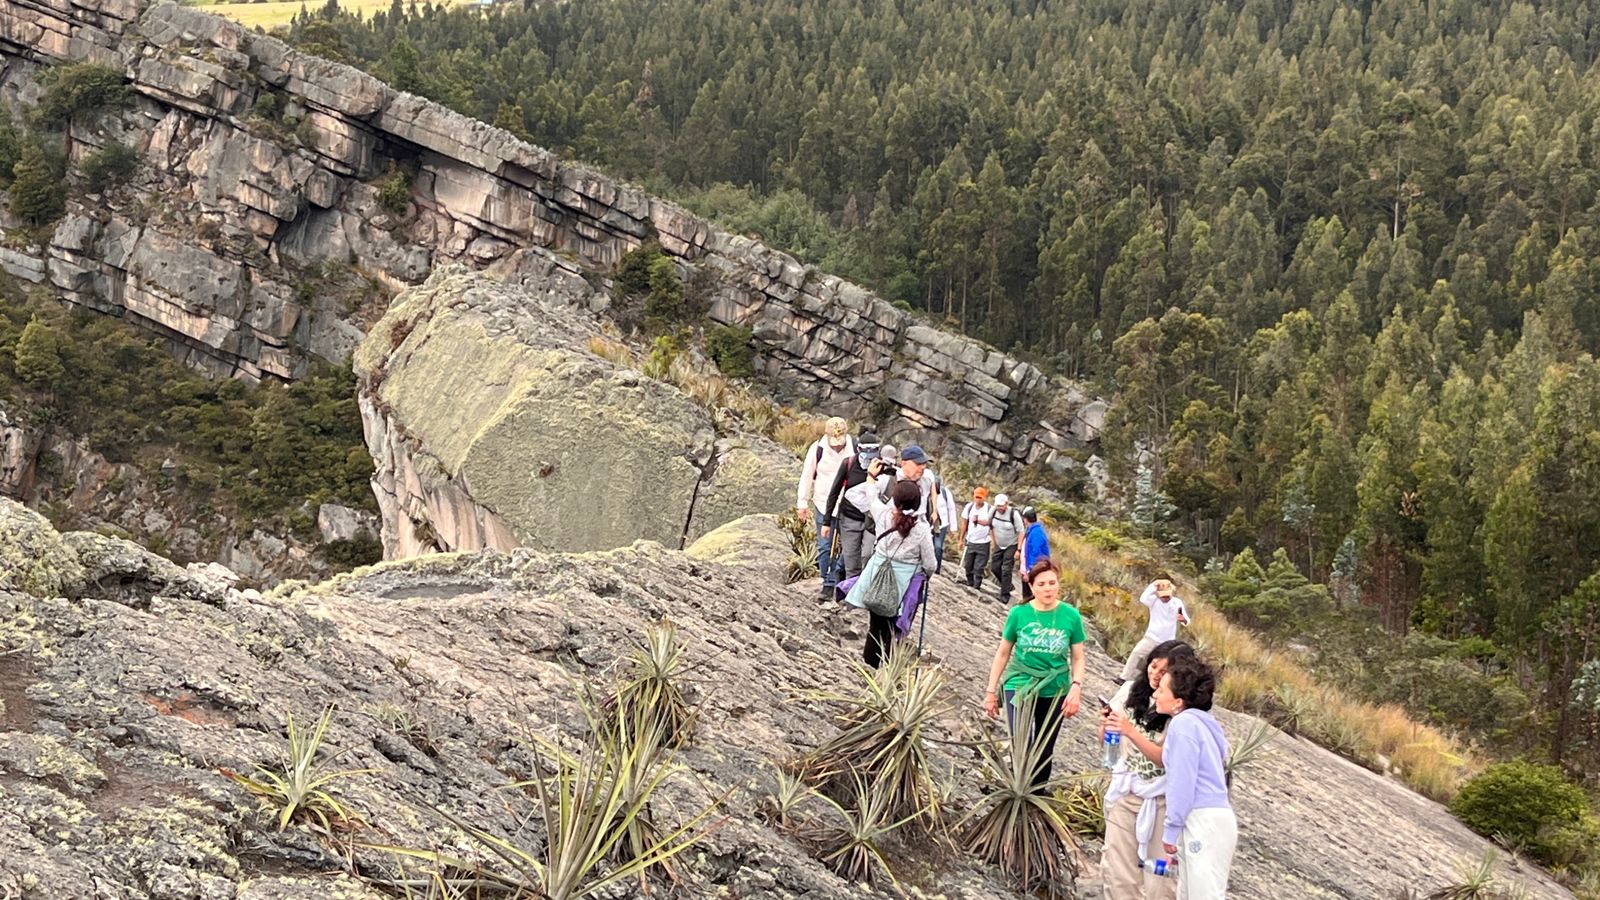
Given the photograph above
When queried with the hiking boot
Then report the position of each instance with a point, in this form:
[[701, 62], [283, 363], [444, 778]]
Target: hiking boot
[[827, 592]]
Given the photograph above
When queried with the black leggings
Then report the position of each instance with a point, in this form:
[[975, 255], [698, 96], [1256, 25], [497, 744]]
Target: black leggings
[[880, 639], [1046, 727]]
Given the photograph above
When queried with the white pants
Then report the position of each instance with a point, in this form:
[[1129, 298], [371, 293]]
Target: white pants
[[1206, 853], [1134, 667]]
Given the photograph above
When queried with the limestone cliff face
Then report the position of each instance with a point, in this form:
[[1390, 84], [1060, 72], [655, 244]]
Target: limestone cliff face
[[260, 167], [492, 429]]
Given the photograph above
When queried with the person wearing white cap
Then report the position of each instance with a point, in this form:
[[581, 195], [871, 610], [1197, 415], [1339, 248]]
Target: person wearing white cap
[[1006, 529], [822, 462]]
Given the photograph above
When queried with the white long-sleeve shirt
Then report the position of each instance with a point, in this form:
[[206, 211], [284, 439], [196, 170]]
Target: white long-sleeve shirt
[[816, 479], [1163, 616], [947, 509]]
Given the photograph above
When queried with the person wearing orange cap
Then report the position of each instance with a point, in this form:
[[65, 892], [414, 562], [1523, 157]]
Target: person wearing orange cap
[[975, 518]]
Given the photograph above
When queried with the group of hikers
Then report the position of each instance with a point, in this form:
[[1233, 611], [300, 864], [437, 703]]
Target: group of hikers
[[882, 520]]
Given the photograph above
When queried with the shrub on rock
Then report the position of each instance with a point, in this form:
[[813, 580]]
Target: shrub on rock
[[1523, 802]]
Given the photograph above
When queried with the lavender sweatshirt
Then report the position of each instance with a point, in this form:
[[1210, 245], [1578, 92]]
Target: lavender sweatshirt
[[1193, 755]]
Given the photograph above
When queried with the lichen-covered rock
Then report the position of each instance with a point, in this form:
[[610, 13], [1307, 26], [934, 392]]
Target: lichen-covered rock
[[119, 718], [749, 474], [753, 542], [117, 569], [493, 428], [33, 557]]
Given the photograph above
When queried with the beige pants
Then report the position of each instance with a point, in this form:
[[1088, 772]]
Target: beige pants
[[1135, 665], [1124, 880], [1206, 855]]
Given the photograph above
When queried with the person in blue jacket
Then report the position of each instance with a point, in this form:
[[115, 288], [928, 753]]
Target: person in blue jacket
[[1035, 546]]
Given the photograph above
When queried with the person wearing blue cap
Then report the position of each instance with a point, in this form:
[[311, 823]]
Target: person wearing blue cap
[[914, 467]]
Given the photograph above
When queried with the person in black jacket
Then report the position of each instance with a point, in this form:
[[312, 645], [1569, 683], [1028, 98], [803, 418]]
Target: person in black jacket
[[850, 506]]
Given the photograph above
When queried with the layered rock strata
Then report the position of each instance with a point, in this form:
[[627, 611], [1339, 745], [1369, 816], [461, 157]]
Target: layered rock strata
[[263, 166]]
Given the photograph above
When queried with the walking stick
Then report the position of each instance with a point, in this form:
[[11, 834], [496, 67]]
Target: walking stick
[[836, 553], [923, 601]]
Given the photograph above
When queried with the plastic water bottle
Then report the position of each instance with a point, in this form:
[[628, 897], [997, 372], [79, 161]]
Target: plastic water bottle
[[1161, 868], [1113, 744]]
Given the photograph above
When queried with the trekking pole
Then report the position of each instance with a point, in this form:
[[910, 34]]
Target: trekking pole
[[836, 554], [922, 630]]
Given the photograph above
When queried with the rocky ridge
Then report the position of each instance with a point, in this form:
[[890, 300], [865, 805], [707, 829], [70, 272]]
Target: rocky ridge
[[122, 702], [263, 168]]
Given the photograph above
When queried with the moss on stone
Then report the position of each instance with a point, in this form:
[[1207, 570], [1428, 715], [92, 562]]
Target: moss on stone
[[752, 541], [33, 557], [745, 480]]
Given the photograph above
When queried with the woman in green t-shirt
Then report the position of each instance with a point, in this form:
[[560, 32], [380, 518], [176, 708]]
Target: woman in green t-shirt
[[1041, 659]]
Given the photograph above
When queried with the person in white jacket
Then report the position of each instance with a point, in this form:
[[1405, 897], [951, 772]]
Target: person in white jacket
[[1135, 802], [1166, 612], [822, 462]]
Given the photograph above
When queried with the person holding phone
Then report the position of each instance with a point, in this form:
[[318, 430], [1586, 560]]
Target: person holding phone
[[1040, 659], [1167, 612], [1135, 801]]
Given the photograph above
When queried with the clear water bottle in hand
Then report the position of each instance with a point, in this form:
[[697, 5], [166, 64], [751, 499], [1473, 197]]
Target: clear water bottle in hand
[[1161, 868], [1113, 746]]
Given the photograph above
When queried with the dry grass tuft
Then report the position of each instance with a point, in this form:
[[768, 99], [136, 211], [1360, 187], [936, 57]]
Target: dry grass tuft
[[798, 433], [615, 352]]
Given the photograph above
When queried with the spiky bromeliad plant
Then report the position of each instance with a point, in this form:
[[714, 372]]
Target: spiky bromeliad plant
[[1249, 750], [853, 846], [300, 787], [1477, 882], [780, 808], [802, 547], [654, 684], [883, 726], [1023, 828], [598, 824]]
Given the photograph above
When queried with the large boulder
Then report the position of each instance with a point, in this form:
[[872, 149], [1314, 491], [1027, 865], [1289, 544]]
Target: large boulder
[[748, 474], [120, 570], [493, 426]]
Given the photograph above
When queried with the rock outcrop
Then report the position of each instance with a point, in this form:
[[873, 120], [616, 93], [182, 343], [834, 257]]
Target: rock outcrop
[[119, 711], [19, 448], [492, 429], [43, 467], [35, 559], [264, 168]]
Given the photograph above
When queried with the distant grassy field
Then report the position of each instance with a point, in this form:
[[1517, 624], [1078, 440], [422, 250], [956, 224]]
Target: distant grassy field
[[279, 12]]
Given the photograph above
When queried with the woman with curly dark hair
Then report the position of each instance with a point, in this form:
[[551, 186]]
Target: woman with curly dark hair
[[1135, 802], [1200, 829]]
